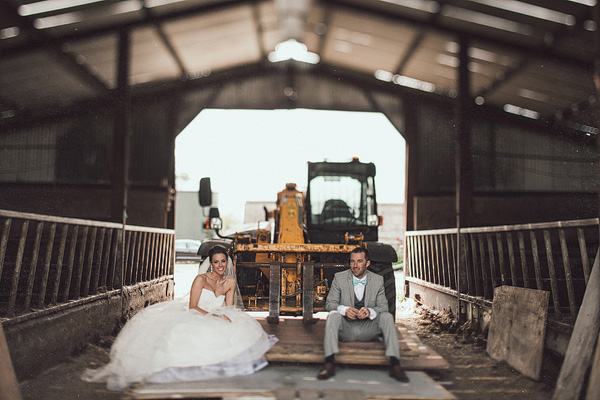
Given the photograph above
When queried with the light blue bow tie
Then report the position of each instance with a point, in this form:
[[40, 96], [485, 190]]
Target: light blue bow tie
[[356, 281]]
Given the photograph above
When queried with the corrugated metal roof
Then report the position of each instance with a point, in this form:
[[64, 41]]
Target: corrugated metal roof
[[532, 57]]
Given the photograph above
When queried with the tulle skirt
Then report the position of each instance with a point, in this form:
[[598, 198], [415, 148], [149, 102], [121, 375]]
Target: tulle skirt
[[168, 342]]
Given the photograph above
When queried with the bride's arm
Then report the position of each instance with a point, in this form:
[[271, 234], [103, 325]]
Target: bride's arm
[[195, 292], [230, 290]]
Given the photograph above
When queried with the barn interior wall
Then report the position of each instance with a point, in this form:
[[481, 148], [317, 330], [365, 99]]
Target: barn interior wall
[[438, 211], [521, 174], [62, 167]]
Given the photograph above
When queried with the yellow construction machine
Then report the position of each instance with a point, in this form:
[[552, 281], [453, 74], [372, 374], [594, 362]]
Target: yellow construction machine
[[287, 267]]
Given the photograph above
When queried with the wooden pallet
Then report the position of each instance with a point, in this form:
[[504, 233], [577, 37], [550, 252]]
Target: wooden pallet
[[295, 360], [300, 343]]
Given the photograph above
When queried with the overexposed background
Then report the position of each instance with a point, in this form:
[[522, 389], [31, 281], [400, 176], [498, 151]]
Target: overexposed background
[[251, 154]]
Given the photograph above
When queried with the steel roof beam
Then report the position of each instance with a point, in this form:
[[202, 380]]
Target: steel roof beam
[[413, 47], [323, 36], [55, 49], [177, 88], [542, 51], [259, 32], [129, 25], [165, 40], [416, 42], [504, 79]]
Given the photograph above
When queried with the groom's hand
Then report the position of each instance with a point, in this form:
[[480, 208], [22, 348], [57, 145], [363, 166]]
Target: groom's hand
[[352, 313], [363, 313]]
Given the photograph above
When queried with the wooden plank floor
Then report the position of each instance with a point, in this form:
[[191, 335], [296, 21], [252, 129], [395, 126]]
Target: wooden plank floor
[[304, 344]]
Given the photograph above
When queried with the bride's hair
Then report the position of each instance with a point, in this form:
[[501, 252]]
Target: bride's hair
[[217, 249]]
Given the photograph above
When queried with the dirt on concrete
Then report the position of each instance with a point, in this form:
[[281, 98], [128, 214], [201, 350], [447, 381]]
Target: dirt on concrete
[[473, 374]]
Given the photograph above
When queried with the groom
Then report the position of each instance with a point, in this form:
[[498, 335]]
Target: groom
[[358, 312]]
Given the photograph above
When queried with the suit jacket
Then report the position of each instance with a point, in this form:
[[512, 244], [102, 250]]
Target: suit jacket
[[342, 292]]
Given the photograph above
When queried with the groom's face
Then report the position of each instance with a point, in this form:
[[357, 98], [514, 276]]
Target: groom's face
[[359, 264]]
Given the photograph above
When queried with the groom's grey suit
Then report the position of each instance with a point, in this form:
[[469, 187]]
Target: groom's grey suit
[[338, 327]]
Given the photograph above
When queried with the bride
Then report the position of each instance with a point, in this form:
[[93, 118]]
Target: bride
[[174, 341]]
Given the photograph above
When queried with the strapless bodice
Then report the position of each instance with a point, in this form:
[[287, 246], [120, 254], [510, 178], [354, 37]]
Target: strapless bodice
[[209, 302]]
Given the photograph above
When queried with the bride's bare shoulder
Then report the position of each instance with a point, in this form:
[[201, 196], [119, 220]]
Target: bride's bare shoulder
[[229, 279], [199, 279]]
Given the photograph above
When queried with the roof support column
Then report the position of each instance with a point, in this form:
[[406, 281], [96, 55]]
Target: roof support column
[[121, 134], [596, 105], [464, 164], [463, 155], [170, 137], [410, 134]]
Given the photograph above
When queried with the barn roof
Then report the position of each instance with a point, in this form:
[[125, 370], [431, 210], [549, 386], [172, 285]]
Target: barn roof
[[530, 57]]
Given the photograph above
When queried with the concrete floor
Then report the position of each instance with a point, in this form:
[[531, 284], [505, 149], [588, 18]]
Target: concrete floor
[[473, 375], [265, 384]]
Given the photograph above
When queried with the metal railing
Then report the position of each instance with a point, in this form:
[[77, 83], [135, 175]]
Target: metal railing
[[553, 256], [46, 261]]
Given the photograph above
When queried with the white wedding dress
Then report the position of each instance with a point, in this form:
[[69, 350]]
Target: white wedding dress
[[168, 342]]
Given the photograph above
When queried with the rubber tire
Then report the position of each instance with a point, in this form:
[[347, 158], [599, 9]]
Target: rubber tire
[[389, 283]]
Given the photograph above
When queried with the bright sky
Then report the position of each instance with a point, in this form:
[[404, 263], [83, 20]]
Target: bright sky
[[251, 154]]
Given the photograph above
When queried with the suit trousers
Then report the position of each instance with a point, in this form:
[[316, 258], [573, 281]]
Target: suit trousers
[[338, 327]]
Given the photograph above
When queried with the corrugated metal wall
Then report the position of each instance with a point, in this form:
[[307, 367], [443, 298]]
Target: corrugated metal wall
[[78, 150], [70, 150], [506, 157]]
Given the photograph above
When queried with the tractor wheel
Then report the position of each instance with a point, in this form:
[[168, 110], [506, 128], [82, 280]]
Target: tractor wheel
[[389, 282]]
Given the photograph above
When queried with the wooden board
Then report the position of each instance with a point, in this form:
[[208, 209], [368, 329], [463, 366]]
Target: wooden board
[[300, 343], [8, 380], [518, 328], [583, 340], [593, 390]]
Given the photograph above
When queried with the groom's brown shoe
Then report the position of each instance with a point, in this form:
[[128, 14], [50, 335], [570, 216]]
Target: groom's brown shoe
[[327, 372], [398, 374]]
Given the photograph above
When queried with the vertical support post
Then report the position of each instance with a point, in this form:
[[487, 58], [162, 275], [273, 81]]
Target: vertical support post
[[463, 161], [47, 261], [4, 242], [59, 262], [536, 262], [274, 292], [115, 279], [162, 260], [552, 273], [511, 259], [121, 133], [307, 293], [87, 279], [81, 259], [593, 390], [97, 270], [596, 105], [12, 298], [568, 275], [33, 265], [106, 260], [410, 135], [170, 136]]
